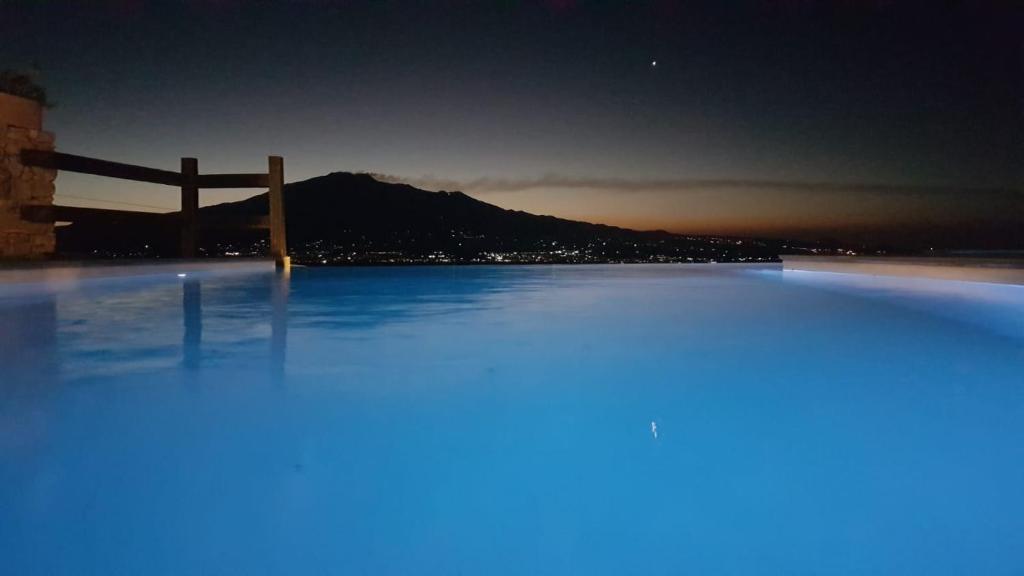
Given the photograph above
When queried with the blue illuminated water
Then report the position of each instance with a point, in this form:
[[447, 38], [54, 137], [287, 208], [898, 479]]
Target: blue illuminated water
[[479, 420]]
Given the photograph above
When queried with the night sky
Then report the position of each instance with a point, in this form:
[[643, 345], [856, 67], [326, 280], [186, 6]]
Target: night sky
[[884, 121]]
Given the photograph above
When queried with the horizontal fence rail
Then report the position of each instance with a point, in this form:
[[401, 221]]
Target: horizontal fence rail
[[83, 165], [232, 181], [49, 214], [188, 180], [97, 167]]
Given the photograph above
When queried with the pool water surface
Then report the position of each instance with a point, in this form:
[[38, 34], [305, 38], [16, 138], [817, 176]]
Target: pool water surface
[[663, 419]]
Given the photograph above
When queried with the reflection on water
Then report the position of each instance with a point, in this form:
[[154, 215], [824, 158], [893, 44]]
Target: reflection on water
[[192, 313], [519, 420], [245, 320], [191, 305], [364, 298], [279, 324], [994, 307], [122, 330], [28, 339]]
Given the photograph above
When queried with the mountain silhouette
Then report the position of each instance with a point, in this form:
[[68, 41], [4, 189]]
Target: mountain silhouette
[[353, 217]]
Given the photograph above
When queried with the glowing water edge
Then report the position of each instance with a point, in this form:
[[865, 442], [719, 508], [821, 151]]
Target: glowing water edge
[[513, 420]]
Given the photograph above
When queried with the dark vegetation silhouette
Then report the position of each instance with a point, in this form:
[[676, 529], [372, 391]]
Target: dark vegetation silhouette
[[25, 85]]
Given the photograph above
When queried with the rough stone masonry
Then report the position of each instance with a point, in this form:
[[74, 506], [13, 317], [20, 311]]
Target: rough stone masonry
[[20, 185]]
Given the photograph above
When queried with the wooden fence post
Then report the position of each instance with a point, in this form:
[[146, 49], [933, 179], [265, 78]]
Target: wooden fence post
[[278, 244], [189, 207]]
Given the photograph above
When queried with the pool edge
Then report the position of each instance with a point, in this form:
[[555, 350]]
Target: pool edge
[[997, 271], [72, 271]]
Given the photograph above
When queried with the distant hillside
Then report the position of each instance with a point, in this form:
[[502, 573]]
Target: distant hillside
[[344, 217]]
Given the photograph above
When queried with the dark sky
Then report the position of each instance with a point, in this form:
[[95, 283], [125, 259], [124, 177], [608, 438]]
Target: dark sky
[[856, 119]]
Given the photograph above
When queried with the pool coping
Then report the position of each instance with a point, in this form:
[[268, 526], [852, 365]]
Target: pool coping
[[993, 270], [78, 270]]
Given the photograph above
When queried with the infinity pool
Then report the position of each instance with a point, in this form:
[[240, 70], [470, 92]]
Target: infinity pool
[[512, 420]]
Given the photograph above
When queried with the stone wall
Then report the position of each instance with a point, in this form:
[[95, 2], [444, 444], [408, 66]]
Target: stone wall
[[23, 186]]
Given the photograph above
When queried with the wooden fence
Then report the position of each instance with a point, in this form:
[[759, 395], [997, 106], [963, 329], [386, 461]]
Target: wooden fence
[[188, 180]]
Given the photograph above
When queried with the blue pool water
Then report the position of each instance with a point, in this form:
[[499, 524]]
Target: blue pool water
[[480, 420]]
